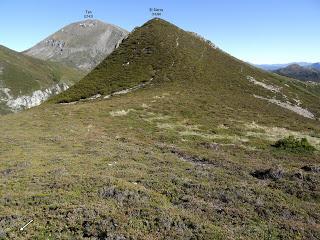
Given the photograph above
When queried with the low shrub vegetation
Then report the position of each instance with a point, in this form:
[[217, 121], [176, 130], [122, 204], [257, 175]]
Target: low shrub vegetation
[[294, 144]]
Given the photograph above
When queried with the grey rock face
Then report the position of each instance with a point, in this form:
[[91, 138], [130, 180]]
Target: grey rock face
[[32, 100], [82, 44]]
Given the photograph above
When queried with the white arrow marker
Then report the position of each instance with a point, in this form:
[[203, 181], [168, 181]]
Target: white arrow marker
[[21, 229]]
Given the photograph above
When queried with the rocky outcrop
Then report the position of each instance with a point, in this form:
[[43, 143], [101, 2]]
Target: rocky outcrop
[[32, 100], [271, 173]]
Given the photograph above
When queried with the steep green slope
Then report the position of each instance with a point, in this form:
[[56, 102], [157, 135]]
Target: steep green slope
[[190, 154], [22, 75]]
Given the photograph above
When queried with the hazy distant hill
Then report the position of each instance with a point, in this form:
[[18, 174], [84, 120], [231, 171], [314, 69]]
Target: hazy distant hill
[[272, 67], [82, 44], [315, 66], [308, 73]]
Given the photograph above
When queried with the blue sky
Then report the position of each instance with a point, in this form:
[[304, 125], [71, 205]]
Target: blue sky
[[257, 31]]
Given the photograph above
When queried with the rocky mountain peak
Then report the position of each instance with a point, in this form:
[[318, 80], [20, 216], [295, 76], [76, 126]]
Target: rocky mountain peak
[[82, 44]]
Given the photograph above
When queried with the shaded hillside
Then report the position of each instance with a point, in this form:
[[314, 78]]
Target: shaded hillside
[[310, 73], [21, 76], [315, 66], [183, 142], [81, 45]]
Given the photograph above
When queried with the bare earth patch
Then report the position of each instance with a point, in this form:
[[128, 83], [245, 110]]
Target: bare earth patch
[[264, 85], [287, 105]]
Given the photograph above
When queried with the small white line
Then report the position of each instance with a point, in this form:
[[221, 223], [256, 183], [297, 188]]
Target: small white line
[[21, 229]]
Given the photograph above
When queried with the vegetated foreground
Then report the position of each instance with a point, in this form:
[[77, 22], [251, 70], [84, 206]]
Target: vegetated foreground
[[191, 155]]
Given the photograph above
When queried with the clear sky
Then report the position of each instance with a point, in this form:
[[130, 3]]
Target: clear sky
[[257, 31]]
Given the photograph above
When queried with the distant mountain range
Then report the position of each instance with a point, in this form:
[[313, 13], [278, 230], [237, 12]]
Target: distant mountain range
[[307, 73], [272, 67], [301, 70]]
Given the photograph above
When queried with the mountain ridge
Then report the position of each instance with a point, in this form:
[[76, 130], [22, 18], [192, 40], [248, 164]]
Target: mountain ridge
[[272, 67], [145, 52], [143, 55]]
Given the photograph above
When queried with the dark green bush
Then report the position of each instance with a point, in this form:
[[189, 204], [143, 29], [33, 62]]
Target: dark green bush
[[294, 144]]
